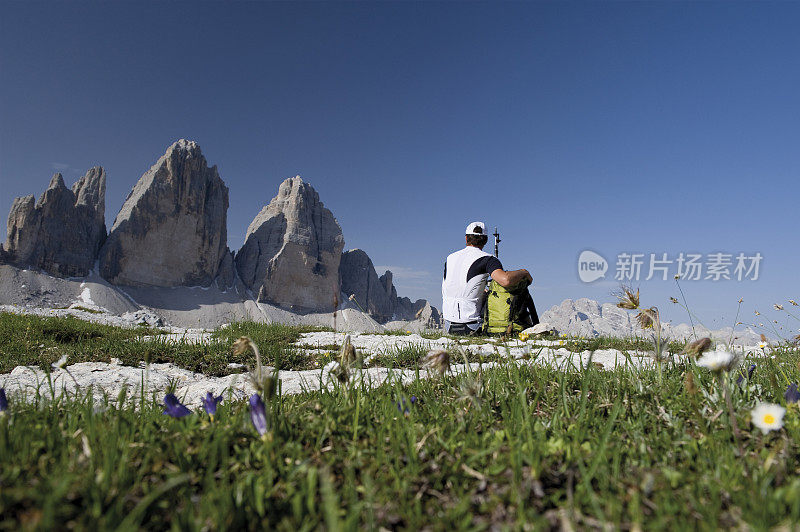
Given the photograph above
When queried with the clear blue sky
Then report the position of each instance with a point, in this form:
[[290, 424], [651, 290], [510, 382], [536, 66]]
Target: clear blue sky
[[643, 127]]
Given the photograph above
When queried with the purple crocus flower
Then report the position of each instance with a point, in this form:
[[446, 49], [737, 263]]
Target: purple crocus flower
[[403, 407], [750, 371], [792, 395], [258, 414], [174, 407], [3, 401], [210, 403]]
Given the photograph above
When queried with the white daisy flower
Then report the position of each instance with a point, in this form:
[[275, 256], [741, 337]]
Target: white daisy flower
[[717, 360], [61, 363], [767, 416]]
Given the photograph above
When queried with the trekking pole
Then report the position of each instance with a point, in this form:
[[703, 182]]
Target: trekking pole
[[496, 242]]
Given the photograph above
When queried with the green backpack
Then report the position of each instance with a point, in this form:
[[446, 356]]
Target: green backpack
[[508, 311]]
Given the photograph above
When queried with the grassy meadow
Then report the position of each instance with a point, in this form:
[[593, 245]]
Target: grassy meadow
[[518, 447]]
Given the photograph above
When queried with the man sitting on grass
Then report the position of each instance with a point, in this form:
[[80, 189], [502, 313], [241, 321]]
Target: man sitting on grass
[[466, 273]]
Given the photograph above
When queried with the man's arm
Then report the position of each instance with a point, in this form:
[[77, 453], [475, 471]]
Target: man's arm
[[507, 279]]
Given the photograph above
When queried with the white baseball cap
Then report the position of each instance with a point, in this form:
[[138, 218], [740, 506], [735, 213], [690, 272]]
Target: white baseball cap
[[476, 228]]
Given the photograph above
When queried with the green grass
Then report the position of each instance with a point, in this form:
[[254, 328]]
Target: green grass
[[40, 341], [629, 345], [27, 340], [514, 447]]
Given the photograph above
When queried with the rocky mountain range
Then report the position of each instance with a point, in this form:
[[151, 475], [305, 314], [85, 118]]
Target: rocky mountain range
[[588, 318], [171, 233], [63, 232]]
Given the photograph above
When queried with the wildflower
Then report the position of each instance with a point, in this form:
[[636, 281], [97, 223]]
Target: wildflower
[[792, 395], [471, 392], [758, 313], [241, 345], [3, 401], [61, 363], [741, 300], [767, 416], [174, 408], [627, 299], [258, 414], [210, 404], [256, 376], [437, 359], [403, 407], [717, 361], [677, 276], [352, 297], [347, 354], [793, 302], [523, 337], [698, 347], [347, 357], [673, 300], [750, 371], [762, 345], [778, 307], [647, 317]]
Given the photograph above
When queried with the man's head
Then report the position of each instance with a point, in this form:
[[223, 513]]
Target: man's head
[[476, 235]]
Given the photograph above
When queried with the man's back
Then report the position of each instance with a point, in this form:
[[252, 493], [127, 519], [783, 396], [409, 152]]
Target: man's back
[[465, 275]]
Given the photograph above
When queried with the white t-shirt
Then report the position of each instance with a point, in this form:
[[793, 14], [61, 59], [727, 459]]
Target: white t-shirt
[[466, 273]]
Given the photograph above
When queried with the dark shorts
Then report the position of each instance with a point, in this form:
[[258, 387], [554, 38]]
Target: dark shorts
[[463, 329]]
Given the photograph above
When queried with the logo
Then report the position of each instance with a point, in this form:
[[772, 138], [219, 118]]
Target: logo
[[591, 266]]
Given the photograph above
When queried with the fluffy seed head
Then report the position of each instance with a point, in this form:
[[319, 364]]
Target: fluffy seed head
[[627, 299], [437, 359], [647, 317], [698, 347], [242, 345], [347, 353]]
